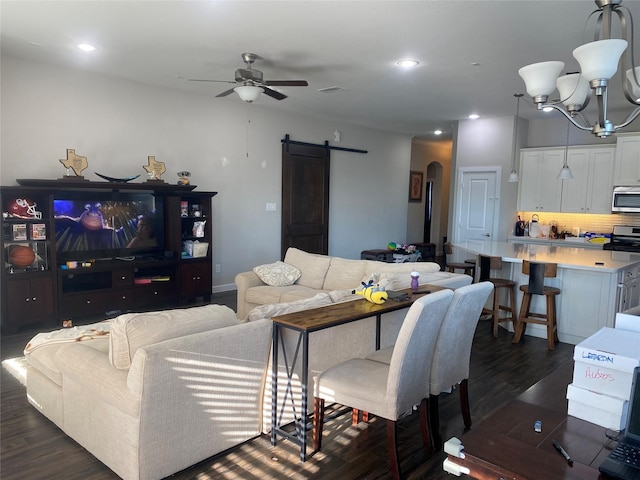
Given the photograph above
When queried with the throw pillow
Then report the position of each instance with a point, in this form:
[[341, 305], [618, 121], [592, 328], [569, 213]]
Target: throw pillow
[[278, 274]]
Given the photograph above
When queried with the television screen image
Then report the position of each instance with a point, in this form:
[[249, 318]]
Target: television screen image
[[100, 228]]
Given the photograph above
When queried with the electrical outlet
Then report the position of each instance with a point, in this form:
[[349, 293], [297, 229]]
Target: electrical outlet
[[271, 207], [218, 268]]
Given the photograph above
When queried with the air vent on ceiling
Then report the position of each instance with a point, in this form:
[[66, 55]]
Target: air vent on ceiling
[[334, 89]]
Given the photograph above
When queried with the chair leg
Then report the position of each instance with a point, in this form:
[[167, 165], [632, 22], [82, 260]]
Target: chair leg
[[424, 425], [464, 402], [392, 447], [318, 420], [434, 420], [514, 300], [355, 417], [524, 312]]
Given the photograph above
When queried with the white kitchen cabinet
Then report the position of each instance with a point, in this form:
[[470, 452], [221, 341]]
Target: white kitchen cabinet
[[590, 189], [539, 188], [627, 167]]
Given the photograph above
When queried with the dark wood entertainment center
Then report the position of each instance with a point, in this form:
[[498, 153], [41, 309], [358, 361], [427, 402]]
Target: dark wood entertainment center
[[47, 291]]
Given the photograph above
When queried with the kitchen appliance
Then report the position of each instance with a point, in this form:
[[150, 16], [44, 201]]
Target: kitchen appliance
[[624, 239], [534, 226], [626, 199], [520, 225]]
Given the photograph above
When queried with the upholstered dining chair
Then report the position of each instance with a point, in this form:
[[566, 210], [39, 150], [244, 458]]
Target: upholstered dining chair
[[450, 362], [388, 390]]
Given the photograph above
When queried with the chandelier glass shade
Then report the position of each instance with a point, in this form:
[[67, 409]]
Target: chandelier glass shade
[[599, 61]]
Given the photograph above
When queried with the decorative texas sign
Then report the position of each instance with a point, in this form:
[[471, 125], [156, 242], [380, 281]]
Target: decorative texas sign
[[154, 169], [75, 162]]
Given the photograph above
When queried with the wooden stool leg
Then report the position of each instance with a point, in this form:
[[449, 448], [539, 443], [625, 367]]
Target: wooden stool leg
[[551, 321], [520, 323], [495, 315], [513, 300]]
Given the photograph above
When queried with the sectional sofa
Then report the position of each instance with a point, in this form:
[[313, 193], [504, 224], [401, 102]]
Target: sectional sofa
[[334, 275], [150, 394]]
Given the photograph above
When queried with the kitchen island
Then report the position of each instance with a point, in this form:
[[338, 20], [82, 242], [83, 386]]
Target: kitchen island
[[595, 284]]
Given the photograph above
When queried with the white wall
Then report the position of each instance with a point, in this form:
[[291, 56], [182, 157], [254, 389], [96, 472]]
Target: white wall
[[489, 142], [116, 124]]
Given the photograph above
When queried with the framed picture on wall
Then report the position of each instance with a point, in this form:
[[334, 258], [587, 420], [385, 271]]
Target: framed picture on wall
[[415, 186]]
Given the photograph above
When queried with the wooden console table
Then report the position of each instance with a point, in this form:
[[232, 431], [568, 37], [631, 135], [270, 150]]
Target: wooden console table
[[506, 446], [306, 322]]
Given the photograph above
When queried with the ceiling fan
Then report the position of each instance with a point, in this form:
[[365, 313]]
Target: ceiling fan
[[250, 83]]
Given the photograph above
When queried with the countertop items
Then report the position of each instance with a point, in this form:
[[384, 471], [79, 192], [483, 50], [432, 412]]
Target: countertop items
[[565, 257], [595, 283], [581, 242]]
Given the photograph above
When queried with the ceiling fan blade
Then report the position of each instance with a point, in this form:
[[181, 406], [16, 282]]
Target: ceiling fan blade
[[287, 83], [225, 93], [274, 93], [206, 80]]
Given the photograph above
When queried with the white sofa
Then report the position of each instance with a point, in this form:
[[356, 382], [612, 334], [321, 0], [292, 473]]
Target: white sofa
[[323, 273], [161, 392]]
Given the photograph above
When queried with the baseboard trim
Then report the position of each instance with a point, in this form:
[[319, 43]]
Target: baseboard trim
[[223, 288]]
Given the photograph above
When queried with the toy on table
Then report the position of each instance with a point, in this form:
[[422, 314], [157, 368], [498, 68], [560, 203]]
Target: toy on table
[[372, 292]]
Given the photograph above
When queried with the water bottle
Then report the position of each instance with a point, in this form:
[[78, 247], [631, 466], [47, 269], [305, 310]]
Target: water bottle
[[414, 280]]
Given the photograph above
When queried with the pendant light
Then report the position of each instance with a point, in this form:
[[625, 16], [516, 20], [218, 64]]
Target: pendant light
[[565, 172], [513, 176]]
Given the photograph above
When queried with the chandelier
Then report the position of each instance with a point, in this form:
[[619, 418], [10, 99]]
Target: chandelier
[[598, 63]]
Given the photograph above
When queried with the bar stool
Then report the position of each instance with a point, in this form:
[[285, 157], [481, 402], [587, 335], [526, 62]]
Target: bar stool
[[487, 264], [468, 268], [537, 272]]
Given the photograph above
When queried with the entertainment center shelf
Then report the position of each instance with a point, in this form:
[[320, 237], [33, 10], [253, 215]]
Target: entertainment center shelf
[[52, 266]]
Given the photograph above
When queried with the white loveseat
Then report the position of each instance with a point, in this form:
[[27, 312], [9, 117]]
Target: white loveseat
[[163, 391], [323, 273]]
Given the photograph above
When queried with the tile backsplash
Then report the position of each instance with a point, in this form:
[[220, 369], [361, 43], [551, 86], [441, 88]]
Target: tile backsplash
[[586, 222]]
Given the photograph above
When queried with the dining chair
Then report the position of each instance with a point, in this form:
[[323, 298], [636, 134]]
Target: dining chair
[[452, 353], [388, 390]]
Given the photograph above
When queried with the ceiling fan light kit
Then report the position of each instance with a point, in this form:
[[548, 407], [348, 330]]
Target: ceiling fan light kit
[[248, 93], [599, 62], [250, 83]]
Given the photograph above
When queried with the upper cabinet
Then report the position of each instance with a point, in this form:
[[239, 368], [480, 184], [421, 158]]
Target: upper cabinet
[[540, 190], [590, 189], [627, 169]]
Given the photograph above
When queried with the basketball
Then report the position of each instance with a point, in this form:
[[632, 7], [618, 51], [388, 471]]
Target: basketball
[[21, 256]]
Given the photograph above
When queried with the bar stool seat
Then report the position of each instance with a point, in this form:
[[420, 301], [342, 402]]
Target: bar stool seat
[[487, 264], [467, 267], [537, 272]]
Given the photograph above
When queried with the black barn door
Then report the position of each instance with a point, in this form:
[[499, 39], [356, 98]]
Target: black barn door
[[305, 198]]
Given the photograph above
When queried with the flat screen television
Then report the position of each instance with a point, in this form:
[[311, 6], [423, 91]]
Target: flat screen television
[[107, 225]]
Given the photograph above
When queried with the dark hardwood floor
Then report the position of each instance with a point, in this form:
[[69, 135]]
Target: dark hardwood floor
[[34, 448]]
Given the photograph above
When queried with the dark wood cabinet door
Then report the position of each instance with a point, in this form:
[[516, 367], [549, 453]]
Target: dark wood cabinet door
[[29, 301], [195, 280]]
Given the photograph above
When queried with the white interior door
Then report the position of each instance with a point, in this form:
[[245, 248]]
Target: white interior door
[[477, 199]]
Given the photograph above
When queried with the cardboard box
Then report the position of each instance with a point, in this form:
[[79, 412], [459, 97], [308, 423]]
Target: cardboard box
[[604, 362], [604, 410]]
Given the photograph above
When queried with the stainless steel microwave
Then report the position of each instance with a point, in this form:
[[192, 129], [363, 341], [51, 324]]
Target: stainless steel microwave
[[626, 199]]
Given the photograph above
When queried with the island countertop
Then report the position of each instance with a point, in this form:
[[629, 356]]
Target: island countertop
[[564, 256]]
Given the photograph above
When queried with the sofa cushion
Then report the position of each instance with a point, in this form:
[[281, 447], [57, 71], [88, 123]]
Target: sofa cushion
[[275, 309], [312, 265], [278, 274], [132, 331], [266, 294], [344, 274], [43, 359]]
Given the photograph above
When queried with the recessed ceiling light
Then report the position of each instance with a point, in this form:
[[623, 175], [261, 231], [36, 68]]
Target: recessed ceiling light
[[437, 132], [408, 63], [86, 47], [474, 116]]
